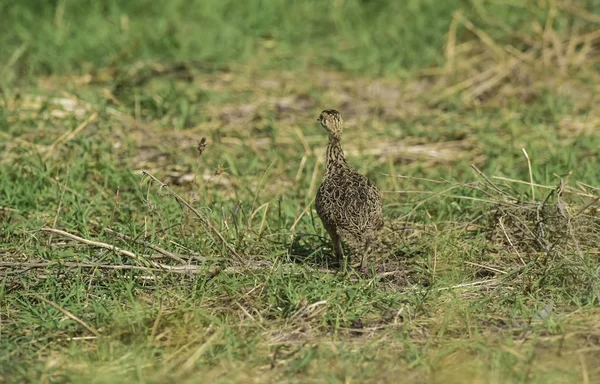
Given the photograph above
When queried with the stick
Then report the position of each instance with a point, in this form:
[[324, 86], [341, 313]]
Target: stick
[[92, 243], [489, 268], [108, 246], [69, 264], [147, 244], [490, 182], [473, 284]]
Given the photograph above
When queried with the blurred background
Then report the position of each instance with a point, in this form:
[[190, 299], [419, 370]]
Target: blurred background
[[415, 72], [370, 37]]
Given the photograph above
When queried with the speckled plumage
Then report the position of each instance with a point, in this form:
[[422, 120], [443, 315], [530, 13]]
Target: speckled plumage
[[348, 203]]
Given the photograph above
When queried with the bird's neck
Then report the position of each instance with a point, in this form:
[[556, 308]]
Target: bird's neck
[[335, 155]]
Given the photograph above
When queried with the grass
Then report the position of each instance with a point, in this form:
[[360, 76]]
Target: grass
[[476, 119]]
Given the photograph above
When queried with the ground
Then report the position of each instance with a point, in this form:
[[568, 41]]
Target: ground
[[159, 165]]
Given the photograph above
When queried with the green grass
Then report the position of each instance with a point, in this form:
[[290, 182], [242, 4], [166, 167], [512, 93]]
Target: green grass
[[94, 93]]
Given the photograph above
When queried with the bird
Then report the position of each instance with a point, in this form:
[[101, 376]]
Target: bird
[[347, 202]]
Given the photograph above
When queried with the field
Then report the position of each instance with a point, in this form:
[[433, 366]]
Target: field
[[159, 162]]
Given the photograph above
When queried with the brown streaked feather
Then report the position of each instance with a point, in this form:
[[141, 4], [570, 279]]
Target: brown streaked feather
[[348, 203]]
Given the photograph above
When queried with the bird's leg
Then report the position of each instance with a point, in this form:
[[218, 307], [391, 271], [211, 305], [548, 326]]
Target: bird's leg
[[363, 263], [364, 268], [337, 248]]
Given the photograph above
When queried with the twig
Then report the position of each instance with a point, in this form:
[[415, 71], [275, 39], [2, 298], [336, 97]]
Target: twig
[[199, 215], [419, 178], [67, 313], [245, 311], [82, 338], [581, 185], [108, 246], [147, 244], [458, 197], [587, 206], [390, 273], [523, 182], [70, 264], [489, 268], [490, 182], [92, 243], [307, 310], [473, 284]]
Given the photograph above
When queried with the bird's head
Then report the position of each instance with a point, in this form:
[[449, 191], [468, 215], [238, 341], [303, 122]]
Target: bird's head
[[331, 120]]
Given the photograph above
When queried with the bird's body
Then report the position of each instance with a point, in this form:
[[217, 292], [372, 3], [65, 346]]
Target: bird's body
[[348, 203]]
